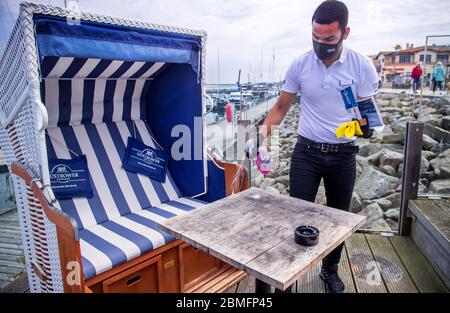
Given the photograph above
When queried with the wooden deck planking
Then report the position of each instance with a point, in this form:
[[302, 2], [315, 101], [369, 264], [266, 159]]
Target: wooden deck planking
[[434, 211], [362, 251], [11, 253], [419, 269], [8, 229], [10, 238], [10, 257], [366, 275], [9, 217], [395, 276], [20, 285], [247, 285], [10, 245], [232, 289], [4, 277], [310, 282], [10, 263], [10, 270], [444, 204], [10, 220], [430, 231], [345, 273]]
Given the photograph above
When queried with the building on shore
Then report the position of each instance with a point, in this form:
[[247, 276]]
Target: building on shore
[[395, 67]]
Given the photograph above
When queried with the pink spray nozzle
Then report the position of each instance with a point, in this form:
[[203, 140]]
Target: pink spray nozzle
[[264, 162]]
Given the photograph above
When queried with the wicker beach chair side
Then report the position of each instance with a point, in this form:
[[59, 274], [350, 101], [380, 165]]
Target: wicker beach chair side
[[22, 142]]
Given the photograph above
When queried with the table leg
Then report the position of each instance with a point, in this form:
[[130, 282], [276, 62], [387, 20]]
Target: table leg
[[288, 290], [261, 287]]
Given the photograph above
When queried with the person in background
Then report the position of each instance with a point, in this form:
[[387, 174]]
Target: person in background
[[432, 79], [438, 76], [416, 74]]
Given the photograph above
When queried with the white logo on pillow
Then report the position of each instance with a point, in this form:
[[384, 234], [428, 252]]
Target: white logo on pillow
[[63, 173], [148, 156]]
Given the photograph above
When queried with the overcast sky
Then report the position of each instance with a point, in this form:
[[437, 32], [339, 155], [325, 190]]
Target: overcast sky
[[242, 30]]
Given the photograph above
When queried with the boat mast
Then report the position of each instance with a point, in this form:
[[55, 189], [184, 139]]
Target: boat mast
[[218, 74], [262, 69], [273, 66]]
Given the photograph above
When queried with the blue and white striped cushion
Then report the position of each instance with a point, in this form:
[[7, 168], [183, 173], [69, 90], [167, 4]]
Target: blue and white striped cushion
[[93, 107], [83, 91], [117, 192], [120, 222], [124, 238]]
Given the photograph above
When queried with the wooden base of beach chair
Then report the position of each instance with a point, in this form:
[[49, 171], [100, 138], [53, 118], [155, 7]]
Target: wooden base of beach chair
[[219, 281], [174, 267], [200, 272]]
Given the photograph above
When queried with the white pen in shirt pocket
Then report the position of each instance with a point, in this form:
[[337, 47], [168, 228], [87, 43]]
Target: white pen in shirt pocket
[[345, 82]]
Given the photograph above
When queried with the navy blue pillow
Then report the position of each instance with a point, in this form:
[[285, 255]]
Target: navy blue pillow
[[142, 159], [70, 178]]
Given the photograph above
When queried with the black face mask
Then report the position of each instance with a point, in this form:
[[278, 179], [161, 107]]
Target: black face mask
[[325, 51]]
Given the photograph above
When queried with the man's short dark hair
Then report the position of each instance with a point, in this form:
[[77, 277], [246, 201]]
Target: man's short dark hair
[[331, 11]]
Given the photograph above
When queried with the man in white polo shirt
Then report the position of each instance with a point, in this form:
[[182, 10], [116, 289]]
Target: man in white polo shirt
[[319, 75]]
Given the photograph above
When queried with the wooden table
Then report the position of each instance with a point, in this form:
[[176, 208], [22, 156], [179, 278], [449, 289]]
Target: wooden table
[[254, 231]]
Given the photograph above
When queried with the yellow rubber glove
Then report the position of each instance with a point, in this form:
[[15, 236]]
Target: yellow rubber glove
[[349, 129]]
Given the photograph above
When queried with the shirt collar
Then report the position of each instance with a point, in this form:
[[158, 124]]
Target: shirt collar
[[341, 59], [344, 54]]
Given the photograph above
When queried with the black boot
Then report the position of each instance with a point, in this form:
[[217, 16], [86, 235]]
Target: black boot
[[329, 275]]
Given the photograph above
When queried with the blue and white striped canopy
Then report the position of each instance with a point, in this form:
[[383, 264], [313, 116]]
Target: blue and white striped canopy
[[81, 91], [87, 39]]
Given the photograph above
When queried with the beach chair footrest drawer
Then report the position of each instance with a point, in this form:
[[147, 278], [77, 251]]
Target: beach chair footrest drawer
[[144, 277]]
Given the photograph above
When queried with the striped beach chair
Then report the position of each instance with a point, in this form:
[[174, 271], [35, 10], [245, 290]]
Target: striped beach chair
[[77, 84]]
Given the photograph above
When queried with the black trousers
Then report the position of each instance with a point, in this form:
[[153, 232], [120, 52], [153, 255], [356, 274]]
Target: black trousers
[[437, 84], [416, 83], [338, 171]]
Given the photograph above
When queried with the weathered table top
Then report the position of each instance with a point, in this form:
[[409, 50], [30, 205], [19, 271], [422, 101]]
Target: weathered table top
[[254, 231]]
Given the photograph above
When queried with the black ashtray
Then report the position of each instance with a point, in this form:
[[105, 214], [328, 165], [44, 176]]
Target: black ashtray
[[306, 235]]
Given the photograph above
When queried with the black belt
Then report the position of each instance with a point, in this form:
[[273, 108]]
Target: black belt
[[348, 147]]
